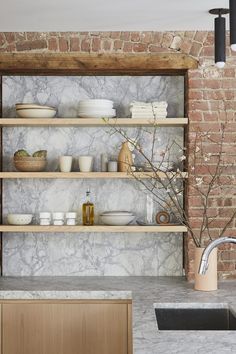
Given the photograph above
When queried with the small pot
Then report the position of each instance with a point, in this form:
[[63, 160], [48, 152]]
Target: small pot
[[208, 281]]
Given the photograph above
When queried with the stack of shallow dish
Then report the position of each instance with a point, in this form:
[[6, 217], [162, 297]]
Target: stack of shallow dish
[[96, 108], [118, 218], [31, 110]]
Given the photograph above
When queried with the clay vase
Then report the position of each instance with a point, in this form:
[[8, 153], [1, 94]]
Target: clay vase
[[208, 281], [125, 159]]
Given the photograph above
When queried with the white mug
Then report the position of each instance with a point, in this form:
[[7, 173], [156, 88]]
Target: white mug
[[65, 163], [86, 163]]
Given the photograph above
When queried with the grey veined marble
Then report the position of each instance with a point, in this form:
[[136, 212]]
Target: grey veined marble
[[87, 254]]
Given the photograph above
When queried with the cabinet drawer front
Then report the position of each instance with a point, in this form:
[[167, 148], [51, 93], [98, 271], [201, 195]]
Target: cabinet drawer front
[[65, 328]]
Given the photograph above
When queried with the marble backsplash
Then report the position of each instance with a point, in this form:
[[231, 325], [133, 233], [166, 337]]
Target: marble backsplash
[[92, 253]]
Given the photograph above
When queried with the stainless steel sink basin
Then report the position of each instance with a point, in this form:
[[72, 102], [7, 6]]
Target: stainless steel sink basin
[[200, 317]]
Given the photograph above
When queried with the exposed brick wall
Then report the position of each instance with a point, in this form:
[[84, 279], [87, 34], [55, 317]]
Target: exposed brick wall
[[211, 97]]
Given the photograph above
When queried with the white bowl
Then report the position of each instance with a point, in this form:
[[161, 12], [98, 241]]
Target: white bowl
[[36, 113], [96, 102], [117, 220], [32, 105], [19, 219], [117, 212], [97, 115]]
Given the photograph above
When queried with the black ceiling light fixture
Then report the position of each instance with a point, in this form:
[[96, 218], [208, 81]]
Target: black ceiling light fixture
[[220, 36], [232, 24]]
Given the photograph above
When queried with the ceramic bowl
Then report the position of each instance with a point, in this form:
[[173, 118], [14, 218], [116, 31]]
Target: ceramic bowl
[[117, 220], [19, 219], [32, 105], [30, 164], [36, 112]]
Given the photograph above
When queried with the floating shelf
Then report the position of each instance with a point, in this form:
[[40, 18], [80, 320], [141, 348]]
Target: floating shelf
[[88, 175], [66, 122], [95, 228]]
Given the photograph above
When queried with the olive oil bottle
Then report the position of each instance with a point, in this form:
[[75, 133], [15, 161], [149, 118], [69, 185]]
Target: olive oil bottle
[[88, 210]]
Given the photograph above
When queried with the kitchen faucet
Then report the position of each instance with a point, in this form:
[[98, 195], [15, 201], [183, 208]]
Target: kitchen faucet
[[206, 253]]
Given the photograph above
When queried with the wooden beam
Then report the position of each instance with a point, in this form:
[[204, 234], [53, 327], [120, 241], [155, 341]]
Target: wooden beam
[[91, 64]]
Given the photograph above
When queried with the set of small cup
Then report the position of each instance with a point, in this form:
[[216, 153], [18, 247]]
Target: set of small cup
[[58, 218], [85, 163], [108, 165]]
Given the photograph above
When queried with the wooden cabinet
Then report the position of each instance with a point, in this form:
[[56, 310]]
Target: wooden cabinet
[[66, 327]]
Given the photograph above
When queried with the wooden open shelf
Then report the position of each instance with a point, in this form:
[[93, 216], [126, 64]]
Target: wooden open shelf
[[87, 175], [94, 228], [82, 122]]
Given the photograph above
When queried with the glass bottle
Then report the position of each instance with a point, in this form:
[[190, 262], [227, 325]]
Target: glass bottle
[[88, 210]]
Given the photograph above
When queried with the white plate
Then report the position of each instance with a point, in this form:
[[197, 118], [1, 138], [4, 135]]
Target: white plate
[[96, 102], [96, 111], [96, 116]]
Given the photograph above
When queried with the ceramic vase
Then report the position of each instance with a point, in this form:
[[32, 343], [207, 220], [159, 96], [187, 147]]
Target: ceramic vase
[[208, 281], [125, 159]]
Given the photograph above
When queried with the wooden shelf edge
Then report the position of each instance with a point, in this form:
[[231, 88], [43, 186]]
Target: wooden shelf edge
[[85, 175], [17, 122], [91, 229]]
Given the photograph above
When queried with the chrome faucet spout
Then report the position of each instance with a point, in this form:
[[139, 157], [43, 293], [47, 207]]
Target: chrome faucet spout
[[205, 256]]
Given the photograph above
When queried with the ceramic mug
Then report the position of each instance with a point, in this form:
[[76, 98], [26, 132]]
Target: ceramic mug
[[86, 163], [65, 163], [112, 166]]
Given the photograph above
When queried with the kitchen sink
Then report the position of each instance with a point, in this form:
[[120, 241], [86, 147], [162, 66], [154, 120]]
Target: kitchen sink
[[172, 317]]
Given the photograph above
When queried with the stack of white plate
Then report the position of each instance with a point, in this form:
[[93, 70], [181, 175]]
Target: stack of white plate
[[118, 218], [96, 108], [31, 110]]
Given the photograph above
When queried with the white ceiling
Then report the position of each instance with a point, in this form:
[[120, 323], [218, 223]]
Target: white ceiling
[[107, 15]]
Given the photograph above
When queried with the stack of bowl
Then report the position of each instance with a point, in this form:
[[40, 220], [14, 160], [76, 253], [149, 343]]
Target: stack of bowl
[[96, 108], [118, 218], [31, 110]]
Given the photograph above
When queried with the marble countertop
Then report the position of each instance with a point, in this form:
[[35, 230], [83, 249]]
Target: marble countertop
[[145, 292]]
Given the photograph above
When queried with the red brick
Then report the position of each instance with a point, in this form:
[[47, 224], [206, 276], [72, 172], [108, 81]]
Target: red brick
[[167, 40], [115, 35], [52, 44], [63, 44], [196, 83], [208, 51], [10, 37], [125, 36], [85, 45], [139, 47], [195, 95], [196, 116], [135, 36], [96, 44], [213, 84], [211, 116], [185, 46], [31, 36], [146, 37], [11, 48], [127, 47], [157, 37], [195, 49], [106, 44], [74, 44], [118, 44], [31, 45], [156, 49], [200, 36]]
